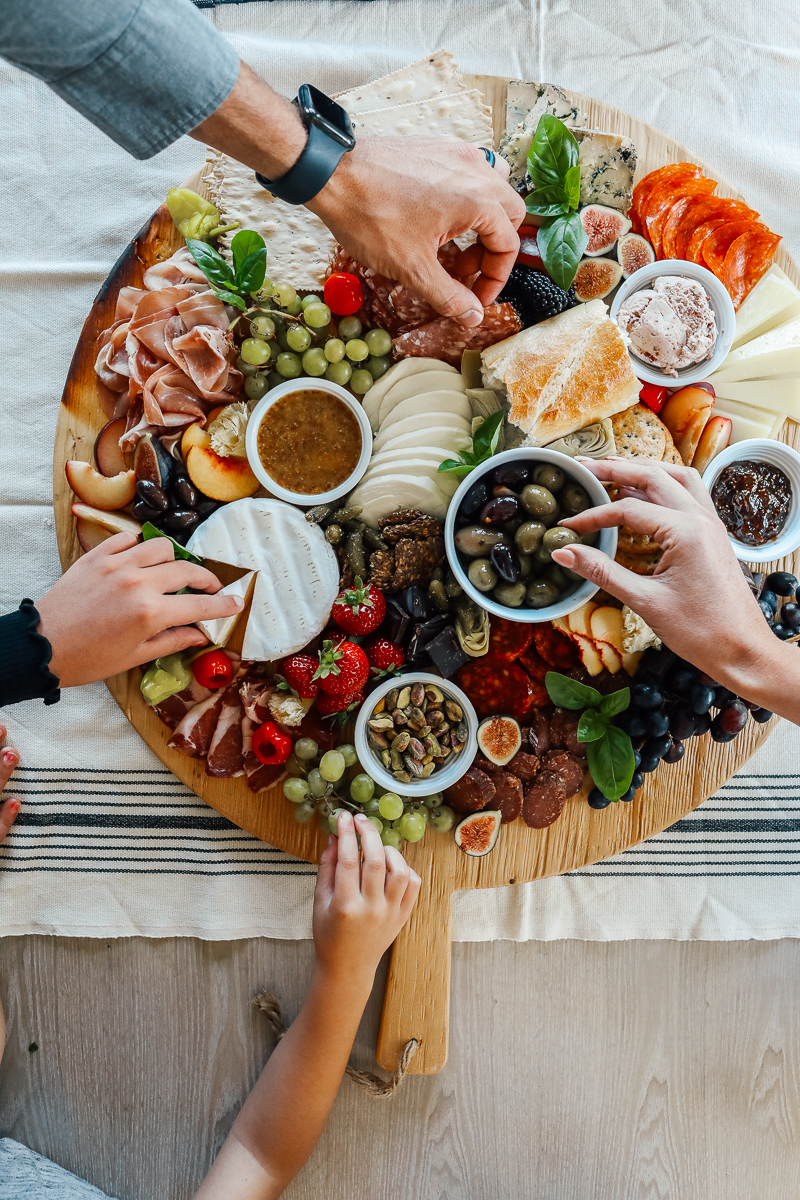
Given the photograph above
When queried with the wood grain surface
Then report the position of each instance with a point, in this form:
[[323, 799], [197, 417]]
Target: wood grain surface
[[417, 997]]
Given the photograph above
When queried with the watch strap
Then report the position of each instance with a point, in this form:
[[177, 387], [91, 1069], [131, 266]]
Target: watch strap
[[319, 159]]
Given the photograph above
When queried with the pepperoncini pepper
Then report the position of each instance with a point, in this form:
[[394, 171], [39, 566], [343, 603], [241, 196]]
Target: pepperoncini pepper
[[195, 217]]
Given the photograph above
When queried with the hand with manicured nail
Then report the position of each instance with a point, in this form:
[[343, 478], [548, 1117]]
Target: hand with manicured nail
[[9, 805]]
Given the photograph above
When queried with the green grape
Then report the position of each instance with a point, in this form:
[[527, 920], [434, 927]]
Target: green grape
[[325, 807], [378, 366], [356, 350], [296, 790], [274, 351], [256, 386], [376, 821], [280, 323], [299, 338], [306, 748], [318, 785], [273, 379], [314, 362], [263, 327], [390, 806], [317, 316], [331, 766], [284, 293], [411, 826], [350, 327], [339, 372], [264, 293], [418, 807], [390, 837], [283, 341], [288, 365], [295, 308], [245, 367], [334, 350], [378, 341], [443, 819], [348, 753], [435, 800], [334, 819], [255, 350], [310, 299], [361, 382], [328, 826], [304, 813]]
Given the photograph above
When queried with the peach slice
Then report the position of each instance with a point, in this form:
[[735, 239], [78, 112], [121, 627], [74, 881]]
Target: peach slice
[[99, 490], [114, 522], [607, 626], [196, 435], [90, 534], [588, 653], [580, 620], [685, 414], [220, 478], [715, 437], [110, 458]]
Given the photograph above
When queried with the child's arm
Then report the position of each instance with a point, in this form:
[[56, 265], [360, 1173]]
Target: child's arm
[[358, 912]]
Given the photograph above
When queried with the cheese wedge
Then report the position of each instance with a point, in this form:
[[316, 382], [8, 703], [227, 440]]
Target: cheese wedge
[[219, 630], [401, 370], [429, 405], [777, 396], [773, 301], [745, 422], [773, 354]]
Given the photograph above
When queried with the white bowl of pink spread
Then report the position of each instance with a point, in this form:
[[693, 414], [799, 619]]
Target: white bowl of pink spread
[[663, 332]]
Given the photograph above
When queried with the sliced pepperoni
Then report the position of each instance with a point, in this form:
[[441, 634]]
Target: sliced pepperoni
[[555, 647], [644, 188], [470, 793], [694, 247], [708, 208], [507, 797], [444, 338], [664, 197], [543, 801], [720, 240], [669, 233], [497, 687], [534, 664], [508, 639], [566, 767], [746, 261]]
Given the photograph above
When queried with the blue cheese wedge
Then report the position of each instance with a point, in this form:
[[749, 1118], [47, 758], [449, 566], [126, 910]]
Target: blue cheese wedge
[[608, 165], [522, 97], [515, 144]]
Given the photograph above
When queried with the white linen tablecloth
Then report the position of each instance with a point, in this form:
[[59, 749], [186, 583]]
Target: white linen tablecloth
[[109, 843]]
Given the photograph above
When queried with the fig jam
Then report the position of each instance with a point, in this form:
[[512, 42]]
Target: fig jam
[[752, 500]]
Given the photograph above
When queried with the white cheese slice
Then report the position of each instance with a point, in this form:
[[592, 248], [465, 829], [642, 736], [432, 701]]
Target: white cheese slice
[[430, 405], [776, 396], [418, 385], [402, 370], [452, 421], [776, 353], [298, 574], [745, 422], [384, 495], [446, 437], [219, 630], [414, 461], [773, 301]]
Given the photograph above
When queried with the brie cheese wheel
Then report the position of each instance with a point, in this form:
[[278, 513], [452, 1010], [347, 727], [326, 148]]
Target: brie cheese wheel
[[773, 301], [297, 571], [407, 366], [220, 629], [775, 354]]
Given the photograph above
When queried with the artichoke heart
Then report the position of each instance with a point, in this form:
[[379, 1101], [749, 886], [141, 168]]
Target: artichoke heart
[[594, 441], [474, 638]]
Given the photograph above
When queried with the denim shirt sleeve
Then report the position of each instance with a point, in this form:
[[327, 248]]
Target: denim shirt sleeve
[[143, 71]]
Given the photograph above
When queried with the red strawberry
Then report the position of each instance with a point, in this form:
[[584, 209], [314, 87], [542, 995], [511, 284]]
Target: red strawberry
[[297, 676], [343, 670], [384, 657], [359, 610], [340, 708]]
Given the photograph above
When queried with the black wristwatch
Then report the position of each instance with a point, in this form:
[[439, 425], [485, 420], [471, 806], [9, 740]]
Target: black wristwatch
[[330, 137]]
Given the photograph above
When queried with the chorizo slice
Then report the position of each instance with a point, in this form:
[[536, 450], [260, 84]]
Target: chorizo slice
[[567, 767], [470, 793], [543, 800], [508, 797], [746, 261]]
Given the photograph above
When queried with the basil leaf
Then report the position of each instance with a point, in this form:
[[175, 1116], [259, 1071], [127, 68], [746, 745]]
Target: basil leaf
[[250, 274], [553, 152], [211, 263], [246, 242], [486, 434], [611, 762], [592, 725], [561, 242], [456, 468], [557, 209], [149, 531], [572, 186], [615, 702], [230, 298], [569, 693]]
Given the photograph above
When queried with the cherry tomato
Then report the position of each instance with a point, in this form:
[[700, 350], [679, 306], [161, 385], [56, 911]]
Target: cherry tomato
[[529, 250], [270, 745], [213, 669], [653, 395], [343, 294]]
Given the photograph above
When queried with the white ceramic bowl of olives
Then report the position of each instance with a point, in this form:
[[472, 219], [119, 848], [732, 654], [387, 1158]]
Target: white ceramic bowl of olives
[[502, 526]]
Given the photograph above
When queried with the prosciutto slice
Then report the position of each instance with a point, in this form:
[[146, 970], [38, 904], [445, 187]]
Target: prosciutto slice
[[255, 696], [195, 731], [178, 271], [127, 300], [174, 708], [261, 776], [226, 753], [201, 353], [152, 313], [204, 308], [111, 364]]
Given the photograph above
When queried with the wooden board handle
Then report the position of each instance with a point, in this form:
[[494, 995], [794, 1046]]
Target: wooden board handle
[[417, 999]]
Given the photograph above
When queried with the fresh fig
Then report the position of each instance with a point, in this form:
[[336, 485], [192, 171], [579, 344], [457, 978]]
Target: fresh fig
[[499, 738], [634, 252], [152, 462], [603, 226], [596, 277], [477, 834]]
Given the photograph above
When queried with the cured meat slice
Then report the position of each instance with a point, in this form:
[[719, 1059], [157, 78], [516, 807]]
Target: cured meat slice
[[507, 798], [525, 766], [174, 708], [112, 365], [203, 308], [226, 752], [720, 240], [538, 740], [567, 767], [564, 732], [485, 764], [178, 271], [470, 793], [445, 339], [544, 799], [202, 354], [508, 639], [261, 776], [497, 687], [746, 261], [127, 299], [694, 247], [645, 187], [151, 315], [194, 733], [661, 200], [255, 696], [705, 208], [555, 647], [534, 664]]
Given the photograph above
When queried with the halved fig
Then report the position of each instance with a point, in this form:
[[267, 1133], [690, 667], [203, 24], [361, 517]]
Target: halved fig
[[151, 461], [477, 834], [499, 738], [603, 226], [108, 454], [114, 522], [715, 437], [633, 253], [596, 277], [101, 491]]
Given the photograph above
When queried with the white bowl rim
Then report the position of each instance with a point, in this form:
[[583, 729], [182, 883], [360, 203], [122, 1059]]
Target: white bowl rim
[[307, 383], [439, 780], [756, 448], [585, 590], [720, 302]]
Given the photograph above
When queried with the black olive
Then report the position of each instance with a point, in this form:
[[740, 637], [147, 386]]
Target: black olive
[[499, 510], [152, 494], [186, 493], [205, 508], [474, 499], [511, 475], [781, 582], [502, 490], [506, 562], [181, 520], [142, 511]]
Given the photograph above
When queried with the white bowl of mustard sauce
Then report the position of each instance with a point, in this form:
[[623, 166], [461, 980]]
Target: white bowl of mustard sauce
[[308, 441]]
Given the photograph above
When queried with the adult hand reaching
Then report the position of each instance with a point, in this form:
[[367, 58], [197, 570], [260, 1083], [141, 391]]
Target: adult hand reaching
[[115, 608], [9, 806]]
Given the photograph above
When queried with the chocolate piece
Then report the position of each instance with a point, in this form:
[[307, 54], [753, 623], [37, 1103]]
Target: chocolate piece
[[524, 766], [429, 629], [414, 602], [471, 793], [507, 797], [445, 650], [566, 767], [396, 622], [544, 799]]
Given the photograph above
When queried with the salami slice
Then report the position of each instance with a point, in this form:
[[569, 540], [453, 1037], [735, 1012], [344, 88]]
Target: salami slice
[[445, 339], [525, 766], [555, 647], [694, 247], [538, 733], [661, 200], [470, 793], [720, 240], [497, 687], [708, 208], [508, 639], [746, 261], [507, 799], [644, 188], [534, 664], [566, 767], [544, 799], [564, 732]]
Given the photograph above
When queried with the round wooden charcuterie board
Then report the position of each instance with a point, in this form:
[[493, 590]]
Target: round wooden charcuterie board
[[417, 995]]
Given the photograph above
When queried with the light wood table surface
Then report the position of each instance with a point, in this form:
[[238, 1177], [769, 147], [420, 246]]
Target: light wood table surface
[[577, 1071]]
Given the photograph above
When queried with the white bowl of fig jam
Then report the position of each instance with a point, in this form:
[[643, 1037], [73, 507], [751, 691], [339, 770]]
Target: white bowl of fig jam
[[308, 441], [755, 486]]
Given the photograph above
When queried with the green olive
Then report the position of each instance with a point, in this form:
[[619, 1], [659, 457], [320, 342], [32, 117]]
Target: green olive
[[529, 536], [538, 500], [541, 593], [510, 594], [573, 576], [525, 565], [482, 574], [542, 556], [549, 477], [575, 499], [589, 539], [552, 518], [558, 537], [555, 574]]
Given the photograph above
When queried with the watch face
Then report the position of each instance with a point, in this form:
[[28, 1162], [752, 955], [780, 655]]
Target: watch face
[[326, 114]]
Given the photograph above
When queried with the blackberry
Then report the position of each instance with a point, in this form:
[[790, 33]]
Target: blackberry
[[534, 295]]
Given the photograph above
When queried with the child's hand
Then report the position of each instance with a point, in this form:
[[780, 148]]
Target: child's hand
[[359, 908], [9, 808]]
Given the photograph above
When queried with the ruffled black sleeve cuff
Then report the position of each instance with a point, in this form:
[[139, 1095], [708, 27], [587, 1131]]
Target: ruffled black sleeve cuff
[[25, 659]]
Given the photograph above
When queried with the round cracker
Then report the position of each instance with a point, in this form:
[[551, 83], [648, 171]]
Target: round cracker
[[640, 564], [638, 433]]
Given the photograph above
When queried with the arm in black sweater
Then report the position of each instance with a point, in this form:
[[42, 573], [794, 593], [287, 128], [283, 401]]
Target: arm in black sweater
[[25, 659]]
